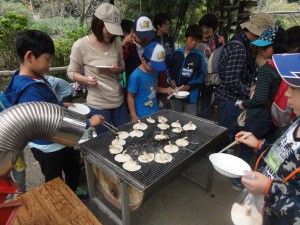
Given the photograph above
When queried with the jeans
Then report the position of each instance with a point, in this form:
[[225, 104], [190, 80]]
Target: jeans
[[117, 116], [206, 95], [261, 129], [227, 117], [180, 106]]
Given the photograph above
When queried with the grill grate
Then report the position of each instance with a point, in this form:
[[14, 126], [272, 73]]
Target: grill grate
[[98, 153]]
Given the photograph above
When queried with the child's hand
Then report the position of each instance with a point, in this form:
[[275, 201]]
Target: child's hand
[[258, 185], [68, 104], [251, 141], [134, 118], [241, 106], [171, 91], [96, 120], [128, 40]]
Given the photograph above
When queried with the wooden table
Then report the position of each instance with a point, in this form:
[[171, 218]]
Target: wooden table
[[53, 203]]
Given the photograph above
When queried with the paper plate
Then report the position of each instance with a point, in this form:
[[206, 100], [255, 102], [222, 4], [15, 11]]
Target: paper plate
[[104, 66], [229, 165], [80, 108], [181, 94]]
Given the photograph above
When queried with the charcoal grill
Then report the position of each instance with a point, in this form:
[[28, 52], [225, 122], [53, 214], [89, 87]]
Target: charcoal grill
[[153, 175]]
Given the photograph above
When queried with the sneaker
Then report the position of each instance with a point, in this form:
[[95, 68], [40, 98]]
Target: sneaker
[[82, 194], [237, 185]]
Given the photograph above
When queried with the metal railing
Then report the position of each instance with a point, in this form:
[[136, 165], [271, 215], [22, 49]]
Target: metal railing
[[7, 73]]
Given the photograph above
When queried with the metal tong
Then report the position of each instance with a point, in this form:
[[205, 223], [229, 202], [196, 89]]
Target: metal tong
[[111, 127], [235, 142], [171, 95]]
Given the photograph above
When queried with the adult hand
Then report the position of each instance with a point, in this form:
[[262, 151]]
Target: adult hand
[[251, 140], [115, 69], [96, 120], [257, 185], [91, 81]]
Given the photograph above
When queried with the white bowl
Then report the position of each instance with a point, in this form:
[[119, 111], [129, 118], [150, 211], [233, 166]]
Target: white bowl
[[181, 94], [80, 108], [229, 165]]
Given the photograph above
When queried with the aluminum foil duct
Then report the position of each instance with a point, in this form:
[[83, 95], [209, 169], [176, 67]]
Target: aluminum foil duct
[[30, 121]]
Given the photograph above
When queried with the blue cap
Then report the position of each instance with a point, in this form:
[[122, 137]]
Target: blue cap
[[288, 66], [270, 36], [155, 53]]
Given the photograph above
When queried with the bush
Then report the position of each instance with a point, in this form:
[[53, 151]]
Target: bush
[[10, 26]]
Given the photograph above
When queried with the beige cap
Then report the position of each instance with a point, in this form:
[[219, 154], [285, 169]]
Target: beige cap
[[258, 23], [111, 17]]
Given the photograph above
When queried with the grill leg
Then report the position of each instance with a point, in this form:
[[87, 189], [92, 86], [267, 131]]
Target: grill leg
[[125, 203], [124, 197], [208, 185], [90, 178]]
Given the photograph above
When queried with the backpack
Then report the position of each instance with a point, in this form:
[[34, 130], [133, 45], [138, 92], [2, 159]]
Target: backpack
[[281, 112], [3, 102], [212, 71]]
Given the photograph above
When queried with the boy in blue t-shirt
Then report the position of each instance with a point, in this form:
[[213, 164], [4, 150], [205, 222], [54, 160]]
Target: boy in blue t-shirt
[[142, 86]]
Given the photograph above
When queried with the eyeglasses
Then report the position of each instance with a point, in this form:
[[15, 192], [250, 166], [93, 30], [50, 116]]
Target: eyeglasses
[[206, 28]]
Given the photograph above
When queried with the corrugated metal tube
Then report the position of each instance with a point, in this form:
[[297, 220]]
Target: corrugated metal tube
[[26, 122]]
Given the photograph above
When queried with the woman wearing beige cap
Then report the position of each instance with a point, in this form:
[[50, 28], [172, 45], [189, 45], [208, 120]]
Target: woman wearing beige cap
[[100, 57]]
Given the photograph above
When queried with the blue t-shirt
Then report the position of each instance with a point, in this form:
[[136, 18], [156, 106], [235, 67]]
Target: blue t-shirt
[[144, 85]]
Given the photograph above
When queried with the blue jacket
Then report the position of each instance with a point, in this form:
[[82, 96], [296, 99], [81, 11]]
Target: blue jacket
[[26, 89], [187, 70]]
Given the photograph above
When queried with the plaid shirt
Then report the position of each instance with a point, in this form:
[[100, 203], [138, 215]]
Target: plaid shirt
[[233, 71]]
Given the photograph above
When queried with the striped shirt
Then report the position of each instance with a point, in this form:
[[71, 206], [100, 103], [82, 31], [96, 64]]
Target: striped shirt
[[268, 81]]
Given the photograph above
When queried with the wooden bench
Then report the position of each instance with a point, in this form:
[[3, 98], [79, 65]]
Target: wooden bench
[[53, 203]]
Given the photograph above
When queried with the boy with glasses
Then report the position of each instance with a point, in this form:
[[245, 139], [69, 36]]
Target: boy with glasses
[[211, 40], [161, 23]]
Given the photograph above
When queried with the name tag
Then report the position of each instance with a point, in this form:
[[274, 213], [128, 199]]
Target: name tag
[[187, 72]]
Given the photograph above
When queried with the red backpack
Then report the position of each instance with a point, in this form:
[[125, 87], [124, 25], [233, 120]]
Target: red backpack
[[281, 112]]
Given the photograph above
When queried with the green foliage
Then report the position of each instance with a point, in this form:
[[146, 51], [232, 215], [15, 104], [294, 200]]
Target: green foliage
[[10, 26], [56, 26], [10, 6], [63, 46]]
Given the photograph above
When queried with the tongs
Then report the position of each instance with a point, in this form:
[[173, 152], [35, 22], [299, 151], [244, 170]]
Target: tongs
[[111, 127], [171, 95], [235, 142]]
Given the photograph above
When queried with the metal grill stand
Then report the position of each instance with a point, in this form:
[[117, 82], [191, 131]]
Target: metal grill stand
[[92, 193], [152, 176], [124, 193]]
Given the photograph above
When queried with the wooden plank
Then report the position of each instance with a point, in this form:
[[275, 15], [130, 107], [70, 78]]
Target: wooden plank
[[53, 203]]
